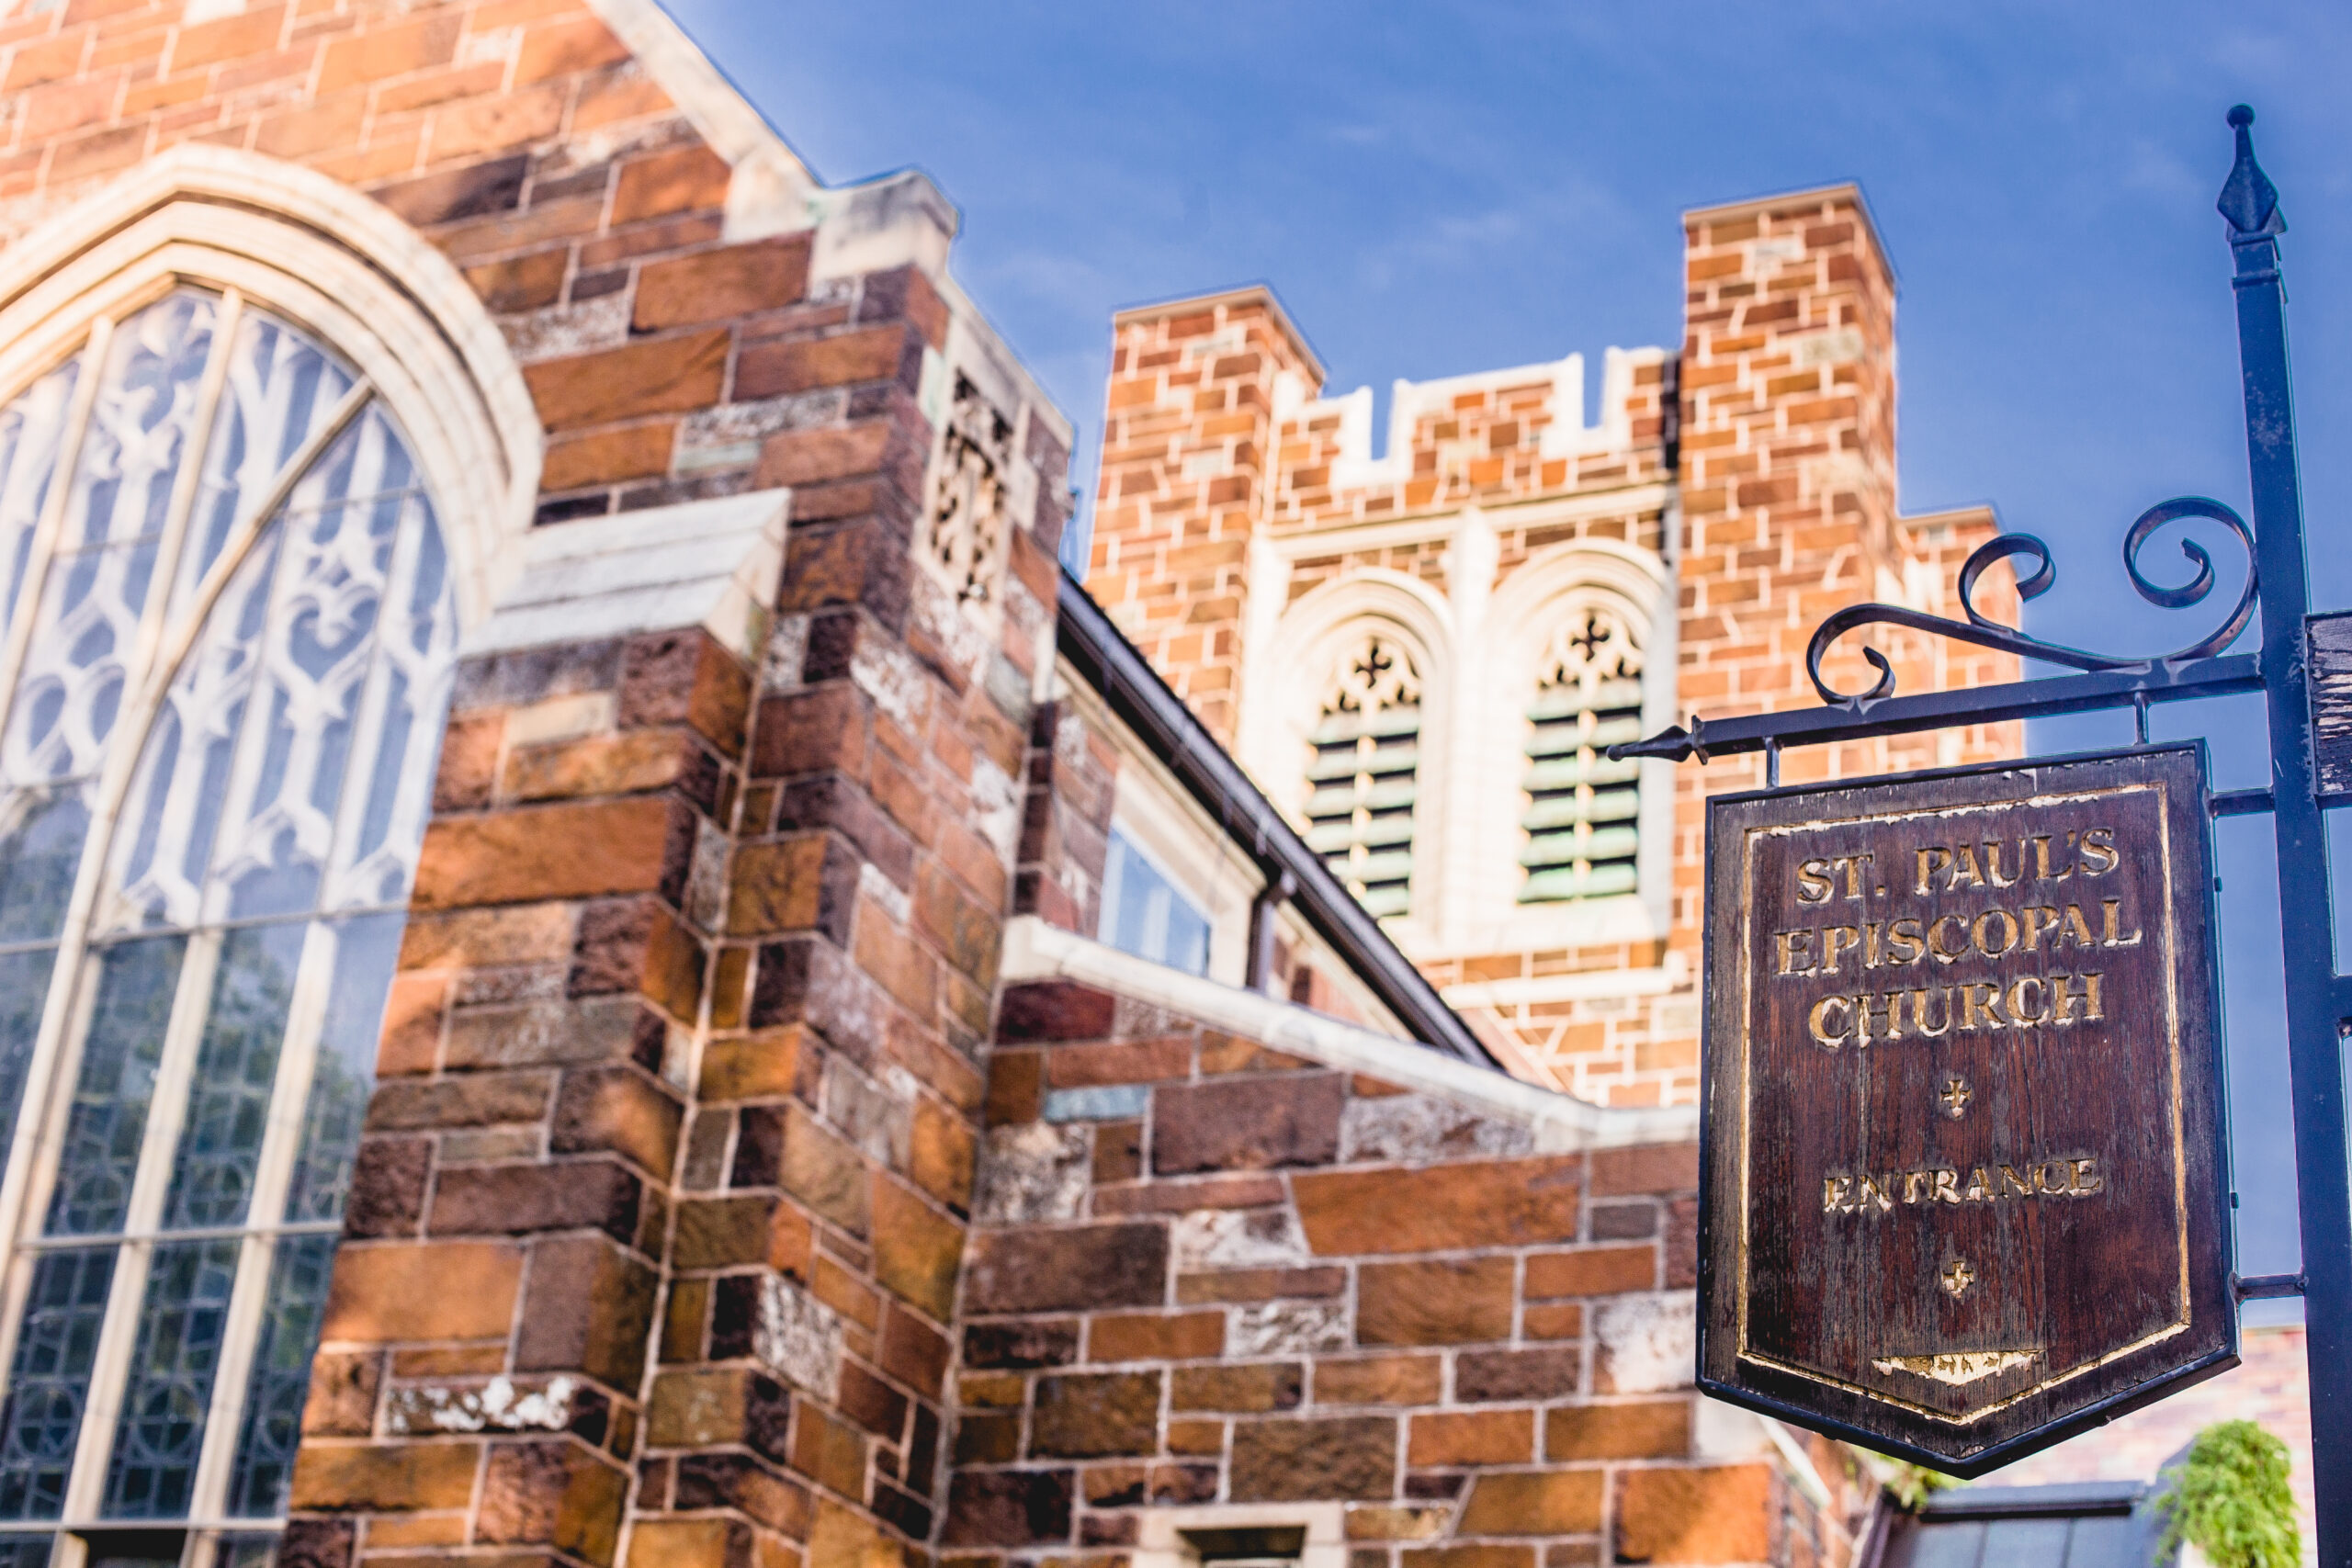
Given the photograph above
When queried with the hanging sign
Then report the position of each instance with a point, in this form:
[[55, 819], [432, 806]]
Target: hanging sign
[[1963, 1185]]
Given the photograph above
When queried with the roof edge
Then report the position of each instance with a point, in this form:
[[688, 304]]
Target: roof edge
[[1246, 294], [1035, 951], [1846, 189]]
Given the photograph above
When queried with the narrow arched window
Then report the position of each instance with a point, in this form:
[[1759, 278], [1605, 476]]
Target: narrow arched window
[[1365, 757], [1582, 807], [229, 635]]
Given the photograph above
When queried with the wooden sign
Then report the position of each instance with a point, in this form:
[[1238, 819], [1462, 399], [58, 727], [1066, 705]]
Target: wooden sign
[[1963, 1184]]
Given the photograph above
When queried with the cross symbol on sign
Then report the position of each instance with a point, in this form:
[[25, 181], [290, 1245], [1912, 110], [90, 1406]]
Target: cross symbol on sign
[[1956, 1096], [1958, 1276]]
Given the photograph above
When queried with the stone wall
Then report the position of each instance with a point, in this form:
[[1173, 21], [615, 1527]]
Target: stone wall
[[1205, 1272]]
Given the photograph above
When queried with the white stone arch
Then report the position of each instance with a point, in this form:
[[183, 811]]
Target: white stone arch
[[331, 260], [1637, 585], [1310, 635]]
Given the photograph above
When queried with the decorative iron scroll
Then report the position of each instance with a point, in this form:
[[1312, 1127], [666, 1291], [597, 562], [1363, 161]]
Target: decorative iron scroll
[[1985, 632]]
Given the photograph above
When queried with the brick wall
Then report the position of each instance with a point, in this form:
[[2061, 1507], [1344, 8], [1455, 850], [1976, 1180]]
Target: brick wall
[[1188, 457], [1205, 1271]]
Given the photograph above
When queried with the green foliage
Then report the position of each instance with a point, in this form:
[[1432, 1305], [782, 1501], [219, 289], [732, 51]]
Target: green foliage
[[1913, 1484], [2230, 1498]]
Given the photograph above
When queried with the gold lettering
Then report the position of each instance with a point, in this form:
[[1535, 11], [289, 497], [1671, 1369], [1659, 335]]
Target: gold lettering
[[2011, 1182], [2043, 1182], [1980, 996], [1911, 1180], [1834, 941], [1919, 1011], [1993, 864], [1895, 1015], [2019, 1013], [2041, 861], [2099, 854], [1980, 1186], [2009, 927], [1796, 949], [1869, 943], [1818, 1021], [2111, 906], [2040, 922], [1853, 864], [2088, 1180], [1946, 1188], [1932, 859], [2090, 988], [1814, 882], [2078, 930], [1963, 871], [1862, 1006], [1905, 943], [1834, 1190], [2064, 999], [1868, 1192], [1935, 940]]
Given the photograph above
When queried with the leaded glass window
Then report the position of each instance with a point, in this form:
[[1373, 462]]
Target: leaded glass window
[[1582, 807], [1360, 775], [228, 624]]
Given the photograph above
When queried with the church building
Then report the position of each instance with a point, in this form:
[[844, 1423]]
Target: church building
[[604, 962]]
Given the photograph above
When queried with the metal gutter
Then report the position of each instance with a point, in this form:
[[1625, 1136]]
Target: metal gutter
[[1134, 692]]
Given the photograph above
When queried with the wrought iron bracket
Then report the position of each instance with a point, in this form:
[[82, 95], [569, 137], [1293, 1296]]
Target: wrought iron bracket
[[2196, 670]]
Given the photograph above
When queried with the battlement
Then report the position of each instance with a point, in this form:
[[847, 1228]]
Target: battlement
[[1488, 435]]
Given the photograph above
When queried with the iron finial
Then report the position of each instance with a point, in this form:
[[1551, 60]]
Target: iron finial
[[2249, 200]]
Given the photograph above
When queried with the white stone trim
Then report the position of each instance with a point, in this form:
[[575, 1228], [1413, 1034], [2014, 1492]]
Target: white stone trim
[[1161, 1543], [1035, 951], [337, 263], [716, 564], [1295, 543]]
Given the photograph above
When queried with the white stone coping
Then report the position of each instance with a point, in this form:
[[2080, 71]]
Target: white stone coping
[[716, 564], [1035, 951]]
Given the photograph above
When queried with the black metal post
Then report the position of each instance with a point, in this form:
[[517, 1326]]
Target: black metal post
[[2315, 1017]]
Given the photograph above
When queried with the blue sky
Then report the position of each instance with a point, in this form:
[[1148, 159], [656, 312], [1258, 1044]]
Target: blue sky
[[1441, 188]]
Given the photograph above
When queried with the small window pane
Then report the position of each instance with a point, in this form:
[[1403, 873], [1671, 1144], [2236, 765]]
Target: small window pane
[[50, 1383], [173, 814], [26, 1551], [139, 421], [255, 1550], [38, 858], [279, 390], [1144, 914], [24, 988], [31, 428], [272, 1426], [236, 1067], [164, 1406], [366, 950], [136, 983], [70, 690]]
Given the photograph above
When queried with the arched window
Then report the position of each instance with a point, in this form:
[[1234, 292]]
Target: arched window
[[1581, 807], [1365, 755], [229, 635]]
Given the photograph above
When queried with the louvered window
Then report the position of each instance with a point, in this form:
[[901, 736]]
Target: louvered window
[[1360, 775], [1580, 807]]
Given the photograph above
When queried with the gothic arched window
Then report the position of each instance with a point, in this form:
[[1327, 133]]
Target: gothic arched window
[[229, 635], [1581, 807], [1365, 752]]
